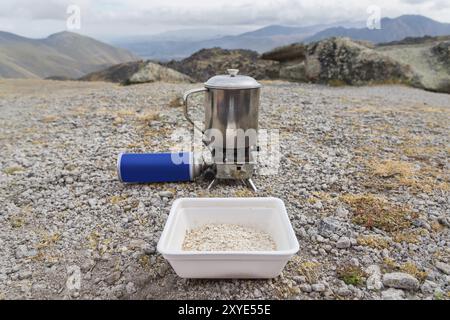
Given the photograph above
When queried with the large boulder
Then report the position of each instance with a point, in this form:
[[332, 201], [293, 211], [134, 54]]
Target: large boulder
[[118, 73], [442, 52], [152, 72], [340, 60], [209, 62], [137, 72]]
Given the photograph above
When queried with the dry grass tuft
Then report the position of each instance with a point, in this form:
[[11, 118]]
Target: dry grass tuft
[[13, 170], [375, 212], [17, 221], [243, 193], [408, 237], [176, 102], [118, 199], [391, 168], [148, 116], [310, 270], [50, 119], [48, 240], [376, 242]]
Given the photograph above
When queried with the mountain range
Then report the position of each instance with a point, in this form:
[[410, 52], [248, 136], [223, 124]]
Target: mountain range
[[178, 45], [64, 55], [181, 44], [391, 30]]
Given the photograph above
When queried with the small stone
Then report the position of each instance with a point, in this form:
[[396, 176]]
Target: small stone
[[443, 267], [344, 292], [148, 249], [92, 202], [166, 194], [305, 287], [318, 287], [318, 205], [130, 288], [343, 243], [299, 279], [392, 294], [113, 278], [342, 212], [445, 221], [24, 275], [23, 252], [374, 280], [428, 287], [400, 280]]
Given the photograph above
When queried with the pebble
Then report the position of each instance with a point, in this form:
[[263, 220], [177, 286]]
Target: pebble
[[318, 287], [443, 267], [392, 294], [23, 252], [343, 243], [24, 275], [305, 287], [166, 194]]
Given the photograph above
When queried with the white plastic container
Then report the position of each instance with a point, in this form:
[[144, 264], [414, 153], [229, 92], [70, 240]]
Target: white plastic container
[[265, 214]]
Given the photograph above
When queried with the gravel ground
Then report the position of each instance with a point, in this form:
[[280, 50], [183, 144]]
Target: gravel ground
[[364, 175]]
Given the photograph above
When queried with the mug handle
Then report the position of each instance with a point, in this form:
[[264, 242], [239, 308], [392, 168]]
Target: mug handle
[[185, 105]]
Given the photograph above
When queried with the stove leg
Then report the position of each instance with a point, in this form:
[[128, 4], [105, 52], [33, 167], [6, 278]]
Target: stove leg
[[212, 184], [252, 185]]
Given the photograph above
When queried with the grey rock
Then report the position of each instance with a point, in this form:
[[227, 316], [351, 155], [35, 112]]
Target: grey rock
[[92, 202], [166, 194], [130, 288], [400, 280], [428, 287], [444, 220], [23, 252], [24, 275], [392, 294], [343, 243], [318, 287], [443, 267], [342, 212], [344, 292], [305, 287], [374, 280], [152, 72]]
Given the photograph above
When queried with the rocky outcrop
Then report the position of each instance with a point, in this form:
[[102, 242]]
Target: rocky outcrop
[[442, 52], [152, 72], [429, 58], [340, 61], [118, 73], [209, 62], [137, 72]]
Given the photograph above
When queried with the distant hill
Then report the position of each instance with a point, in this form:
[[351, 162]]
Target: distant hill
[[63, 55], [391, 30]]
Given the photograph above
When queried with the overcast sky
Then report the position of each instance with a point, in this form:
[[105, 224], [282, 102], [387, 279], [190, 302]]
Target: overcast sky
[[110, 18]]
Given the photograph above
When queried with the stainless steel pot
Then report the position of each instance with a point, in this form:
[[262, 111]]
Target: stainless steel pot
[[231, 103]]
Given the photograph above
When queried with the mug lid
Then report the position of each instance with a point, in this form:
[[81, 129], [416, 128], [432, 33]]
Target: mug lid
[[232, 81]]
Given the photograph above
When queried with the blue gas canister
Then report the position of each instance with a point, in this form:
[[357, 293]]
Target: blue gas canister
[[157, 167]]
